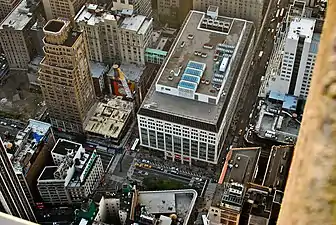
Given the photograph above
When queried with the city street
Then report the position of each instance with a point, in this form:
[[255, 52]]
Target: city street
[[250, 91], [249, 95]]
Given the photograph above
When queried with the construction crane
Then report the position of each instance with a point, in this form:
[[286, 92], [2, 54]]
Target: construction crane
[[118, 73]]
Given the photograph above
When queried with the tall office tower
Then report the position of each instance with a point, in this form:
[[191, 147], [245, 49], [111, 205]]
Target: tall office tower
[[6, 6], [12, 196], [139, 7], [15, 34], [299, 51], [187, 111], [252, 10], [30, 154], [62, 8], [65, 76], [114, 37], [173, 11]]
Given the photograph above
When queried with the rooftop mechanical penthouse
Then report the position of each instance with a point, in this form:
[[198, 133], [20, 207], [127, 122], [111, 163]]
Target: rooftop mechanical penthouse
[[187, 111]]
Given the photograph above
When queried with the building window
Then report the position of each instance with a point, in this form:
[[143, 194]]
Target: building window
[[202, 150], [168, 142], [194, 148]]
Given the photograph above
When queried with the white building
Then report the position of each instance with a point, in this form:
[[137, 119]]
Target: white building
[[187, 111], [300, 48], [112, 36], [77, 175]]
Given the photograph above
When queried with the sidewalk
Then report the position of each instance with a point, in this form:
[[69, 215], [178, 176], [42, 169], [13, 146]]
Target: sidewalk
[[202, 172]]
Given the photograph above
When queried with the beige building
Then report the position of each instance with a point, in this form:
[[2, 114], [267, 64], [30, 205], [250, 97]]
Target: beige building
[[140, 7], [244, 9], [62, 8], [6, 6], [173, 11], [65, 76], [111, 37], [16, 36], [109, 121]]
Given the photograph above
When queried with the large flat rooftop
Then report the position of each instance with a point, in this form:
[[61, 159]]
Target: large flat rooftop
[[131, 71], [136, 23], [20, 17], [63, 146], [158, 203], [182, 60], [109, 118], [180, 56], [48, 173], [301, 27], [179, 202], [240, 165]]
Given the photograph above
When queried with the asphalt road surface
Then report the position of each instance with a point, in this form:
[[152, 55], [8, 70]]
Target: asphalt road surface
[[249, 94]]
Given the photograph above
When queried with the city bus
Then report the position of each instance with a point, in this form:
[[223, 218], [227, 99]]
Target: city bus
[[135, 144], [282, 12], [277, 13]]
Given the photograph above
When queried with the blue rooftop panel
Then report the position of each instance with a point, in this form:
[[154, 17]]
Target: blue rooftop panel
[[277, 96], [290, 102], [187, 85], [196, 65], [189, 78], [194, 72]]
